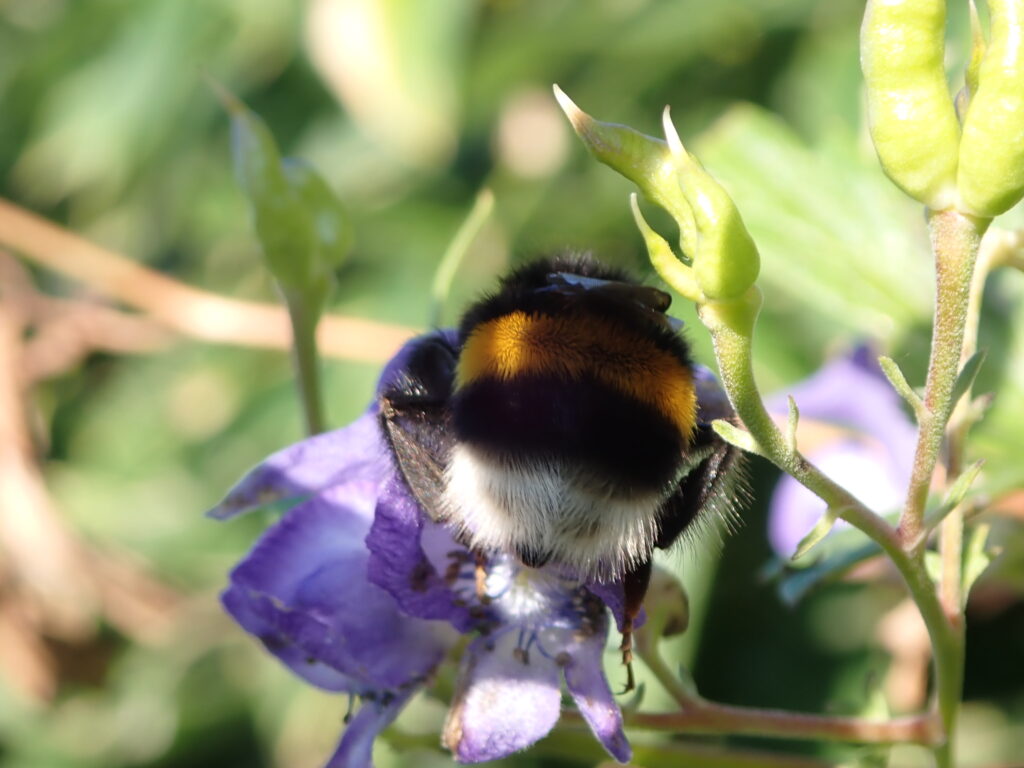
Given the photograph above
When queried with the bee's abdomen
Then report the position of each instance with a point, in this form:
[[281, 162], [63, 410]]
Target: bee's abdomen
[[578, 347], [621, 442]]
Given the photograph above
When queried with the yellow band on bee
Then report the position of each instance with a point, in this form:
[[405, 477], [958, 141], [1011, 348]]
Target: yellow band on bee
[[519, 344]]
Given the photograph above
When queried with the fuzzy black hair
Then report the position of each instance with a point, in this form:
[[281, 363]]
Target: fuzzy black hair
[[521, 291]]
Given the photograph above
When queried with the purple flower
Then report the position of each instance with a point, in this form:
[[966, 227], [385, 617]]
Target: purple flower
[[356, 590], [863, 440]]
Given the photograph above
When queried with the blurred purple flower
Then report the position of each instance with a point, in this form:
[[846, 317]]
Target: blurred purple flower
[[356, 590], [869, 451]]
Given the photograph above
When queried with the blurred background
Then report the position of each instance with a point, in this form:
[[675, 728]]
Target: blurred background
[[130, 403]]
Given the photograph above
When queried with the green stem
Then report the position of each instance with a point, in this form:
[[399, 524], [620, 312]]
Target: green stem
[[456, 252], [955, 239], [731, 325], [699, 715], [305, 318], [712, 718]]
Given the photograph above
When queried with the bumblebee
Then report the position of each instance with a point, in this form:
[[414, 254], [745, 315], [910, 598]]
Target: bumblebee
[[566, 424]]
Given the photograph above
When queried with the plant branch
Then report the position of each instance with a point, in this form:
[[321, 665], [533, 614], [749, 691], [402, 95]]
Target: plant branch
[[699, 715], [955, 239], [712, 718], [731, 327], [307, 364]]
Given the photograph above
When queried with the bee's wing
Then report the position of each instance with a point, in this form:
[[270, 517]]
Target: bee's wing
[[416, 419], [712, 489]]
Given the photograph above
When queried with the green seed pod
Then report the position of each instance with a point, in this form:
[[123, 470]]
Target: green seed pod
[[724, 259], [910, 111], [673, 271], [727, 262], [643, 159], [991, 173]]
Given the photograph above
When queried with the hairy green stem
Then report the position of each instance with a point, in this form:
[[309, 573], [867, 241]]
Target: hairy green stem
[[731, 326], [955, 239], [304, 320]]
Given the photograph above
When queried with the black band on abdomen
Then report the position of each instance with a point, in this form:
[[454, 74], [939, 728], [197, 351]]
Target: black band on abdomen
[[622, 441]]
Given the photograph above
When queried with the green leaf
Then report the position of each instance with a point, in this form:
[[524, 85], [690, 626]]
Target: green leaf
[[794, 586], [976, 557], [965, 379], [304, 230], [956, 493], [817, 533], [899, 383], [331, 223], [736, 436], [829, 227]]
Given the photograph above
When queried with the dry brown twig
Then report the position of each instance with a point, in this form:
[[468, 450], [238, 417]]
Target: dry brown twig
[[54, 586], [66, 330], [186, 310]]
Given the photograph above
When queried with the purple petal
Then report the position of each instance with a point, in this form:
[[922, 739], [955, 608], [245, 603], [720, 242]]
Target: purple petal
[[612, 595], [586, 681], [356, 747], [303, 591], [256, 617], [399, 564], [353, 454], [503, 704]]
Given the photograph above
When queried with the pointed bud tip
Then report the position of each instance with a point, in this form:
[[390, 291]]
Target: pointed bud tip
[[577, 117], [638, 216], [675, 144], [972, 8]]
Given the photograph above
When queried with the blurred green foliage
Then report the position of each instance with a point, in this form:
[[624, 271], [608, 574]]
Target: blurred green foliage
[[107, 126]]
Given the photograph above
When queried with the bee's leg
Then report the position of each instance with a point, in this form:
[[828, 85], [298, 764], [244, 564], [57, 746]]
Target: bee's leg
[[480, 577], [634, 587], [710, 488]]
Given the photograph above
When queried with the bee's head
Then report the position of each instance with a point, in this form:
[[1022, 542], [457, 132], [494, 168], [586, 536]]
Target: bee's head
[[577, 284], [575, 360]]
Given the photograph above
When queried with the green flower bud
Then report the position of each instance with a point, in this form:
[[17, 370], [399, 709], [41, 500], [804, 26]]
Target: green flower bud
[[977, 51], [643, 159], [304, 230], [724, 259], [910, 111], [727, 262], [963, 97], [673, 271], [991, 173]]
